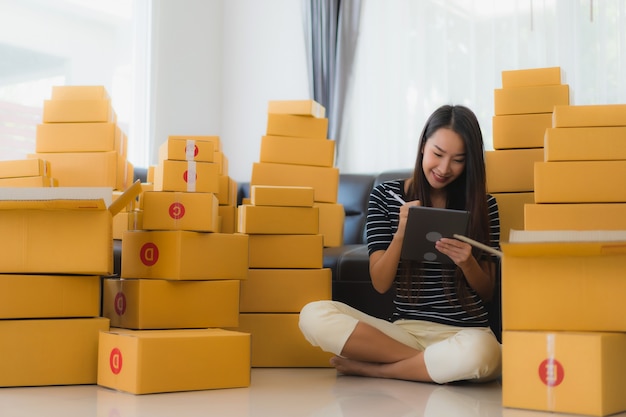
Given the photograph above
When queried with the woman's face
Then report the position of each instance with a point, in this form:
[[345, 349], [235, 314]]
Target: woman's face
[[444, 158]]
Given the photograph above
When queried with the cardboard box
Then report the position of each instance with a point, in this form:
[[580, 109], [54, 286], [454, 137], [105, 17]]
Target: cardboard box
[[83, 169], [278, 220], [145, 362], [281, 196], [191, 176], [525, 100], [69, 111], [519, 131], [161, 304], [296, 126], [217, 143], [277, 342], [58, 230], [578, 216], [169, 210], [80, 137], [580, 182], [300, 107], [227, 219], [49, 351], [79, 92], [589, 115], [585, 144], [49, 296], [562, 372], [297, 151], [531, 77], [227, 195], [222, 162], [187, 150], [183, 255], [564, 285], [511, 209], [332, 217], [511, 170], [25, 168], [283, 290], [22, 182], [325, 181], [286, 251]]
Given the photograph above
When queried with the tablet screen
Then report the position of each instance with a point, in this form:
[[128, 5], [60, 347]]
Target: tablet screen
[[425, 226]]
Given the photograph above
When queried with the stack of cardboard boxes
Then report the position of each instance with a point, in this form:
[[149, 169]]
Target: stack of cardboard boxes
[[292, 213], [179, 285], [564, 320], [56, 243], [82, 140], [26, 173], [523, 111]]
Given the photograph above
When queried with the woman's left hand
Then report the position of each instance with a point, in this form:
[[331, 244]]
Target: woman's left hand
[[459, 252]]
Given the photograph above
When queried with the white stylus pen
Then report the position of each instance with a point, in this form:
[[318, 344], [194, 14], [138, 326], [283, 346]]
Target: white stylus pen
[[396, 196]]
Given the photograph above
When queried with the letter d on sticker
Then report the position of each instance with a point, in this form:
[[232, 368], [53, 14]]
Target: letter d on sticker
[[115, 361], [149, 254]]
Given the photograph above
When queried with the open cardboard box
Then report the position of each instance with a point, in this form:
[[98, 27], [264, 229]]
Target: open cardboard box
[[66, 230]]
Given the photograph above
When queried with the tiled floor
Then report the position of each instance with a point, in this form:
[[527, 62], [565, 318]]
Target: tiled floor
[[272, 393]]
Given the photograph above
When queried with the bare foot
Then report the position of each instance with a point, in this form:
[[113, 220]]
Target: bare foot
[[347, 366]]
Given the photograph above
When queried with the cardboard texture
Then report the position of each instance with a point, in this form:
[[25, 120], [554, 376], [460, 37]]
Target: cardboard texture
[[574, 286], [564, 372], [286, 251], [589, 115], [68, 111], [283, 290], [332, 217], [80, 137], [299, 107], [519, 131], [511, 170], [154, 361], [532, 99], [278, 220], [49, 296], [269, 195], [531, 77], [585, 144], [575, 216], [169, 210], [191, 176], [29, 182], [511, 209], [84, 169], [42, 227], [580, 182], [49, 351], [296, 126], [297, 151], [161, 304], [227, 195], [79, 92], [217, 143], [187, 150], [325, 181], [184, 255], [277, 342], [25, 168]]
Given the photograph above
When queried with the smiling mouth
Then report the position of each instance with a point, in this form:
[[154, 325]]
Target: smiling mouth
[[440, 178]]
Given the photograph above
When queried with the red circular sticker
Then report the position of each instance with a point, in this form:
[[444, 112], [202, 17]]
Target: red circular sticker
[[551, 372], [186, 176], [149, 254], [120, 303], [177, 211], [115, 361]]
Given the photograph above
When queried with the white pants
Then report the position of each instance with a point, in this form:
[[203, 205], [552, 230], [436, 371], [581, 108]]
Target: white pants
[[451, 353]]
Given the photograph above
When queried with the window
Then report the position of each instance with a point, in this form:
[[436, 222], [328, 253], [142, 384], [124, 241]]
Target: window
[[71, 42]]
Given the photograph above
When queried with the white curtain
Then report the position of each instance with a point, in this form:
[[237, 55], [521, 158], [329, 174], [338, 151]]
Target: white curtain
[[415, 55]]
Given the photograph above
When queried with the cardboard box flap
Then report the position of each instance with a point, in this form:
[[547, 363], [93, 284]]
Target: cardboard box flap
[[126, 197], [526, 243], [55, 198]]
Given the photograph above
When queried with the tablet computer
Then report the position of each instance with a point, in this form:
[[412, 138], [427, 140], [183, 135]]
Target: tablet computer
[[425, 226]]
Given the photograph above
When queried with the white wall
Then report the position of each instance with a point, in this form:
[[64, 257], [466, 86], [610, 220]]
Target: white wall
[[217, 63]]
